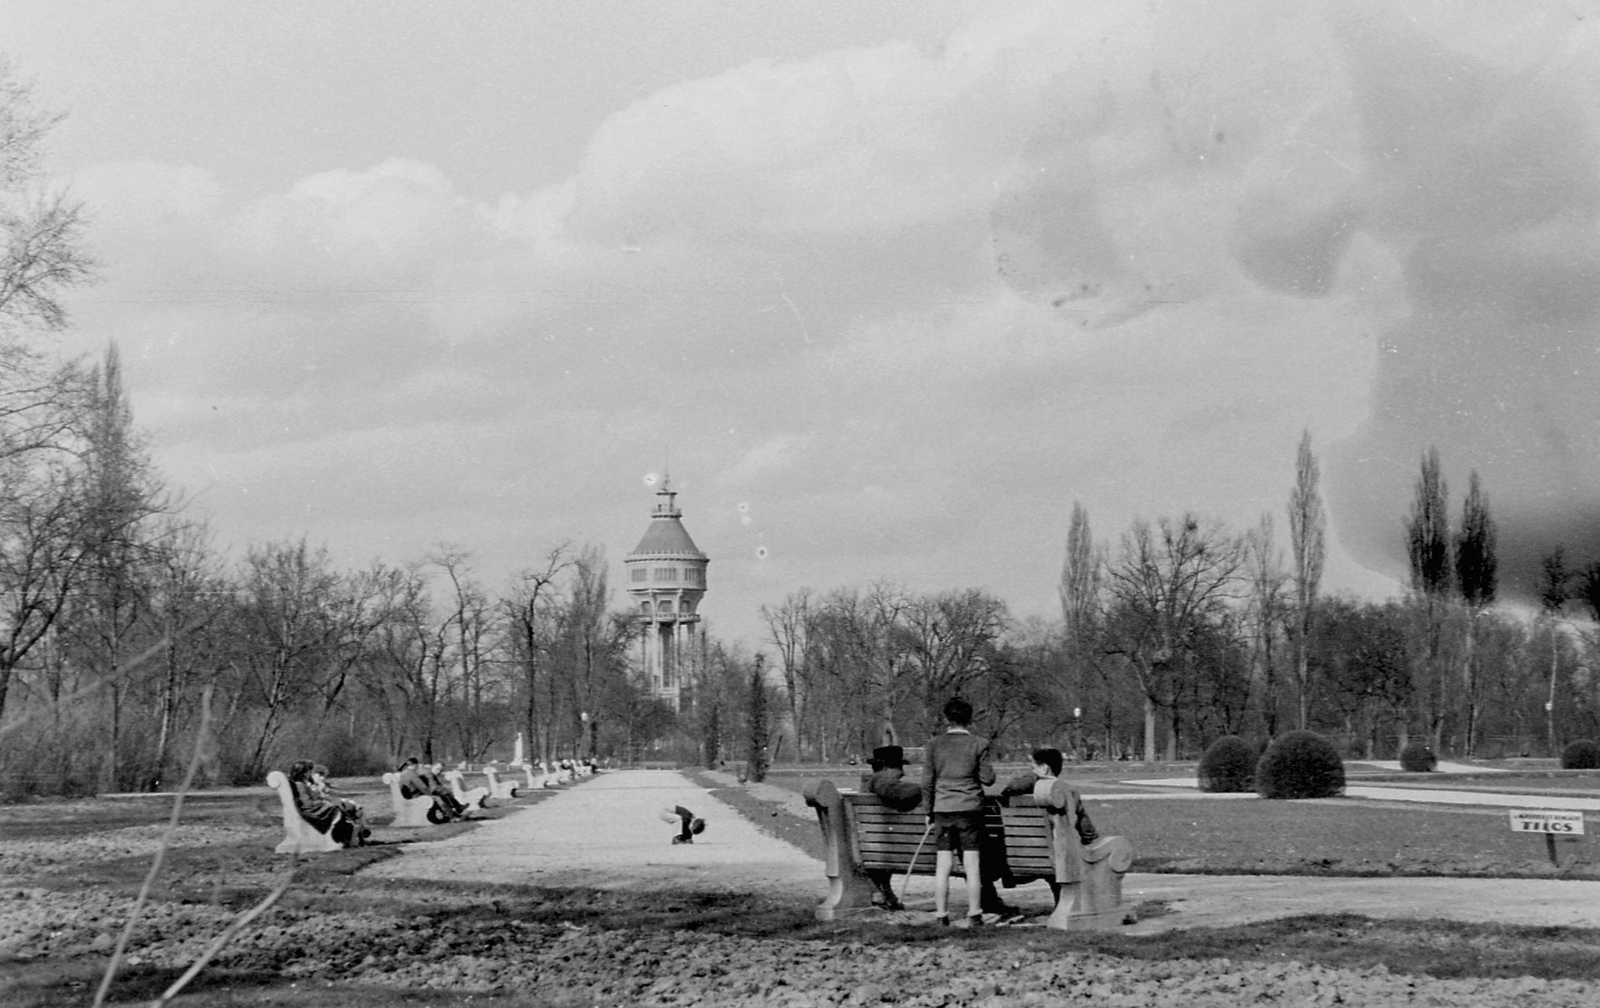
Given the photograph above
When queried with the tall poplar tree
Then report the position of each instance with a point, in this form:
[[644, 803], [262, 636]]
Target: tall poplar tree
[[1477, 580], [1427, 530], [1307, 531]]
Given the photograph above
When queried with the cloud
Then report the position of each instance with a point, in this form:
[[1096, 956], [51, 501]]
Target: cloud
[[910, 302]]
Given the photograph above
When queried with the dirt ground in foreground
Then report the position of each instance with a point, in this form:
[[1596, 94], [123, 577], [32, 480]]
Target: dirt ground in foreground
[[543, 906]]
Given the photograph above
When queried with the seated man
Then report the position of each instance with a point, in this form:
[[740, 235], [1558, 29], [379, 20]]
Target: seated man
[[888, 782], [417, 780]]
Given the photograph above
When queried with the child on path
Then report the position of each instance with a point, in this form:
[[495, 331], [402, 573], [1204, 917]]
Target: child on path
[[953, 779]]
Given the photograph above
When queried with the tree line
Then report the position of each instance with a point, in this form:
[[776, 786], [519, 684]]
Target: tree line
[[1182, 630]]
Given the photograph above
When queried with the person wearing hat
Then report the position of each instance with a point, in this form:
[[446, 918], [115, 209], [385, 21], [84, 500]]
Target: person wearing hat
[[888, 782], [887, 779]]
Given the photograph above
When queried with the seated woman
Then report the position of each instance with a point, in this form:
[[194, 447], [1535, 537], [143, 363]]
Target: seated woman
[[324, 816], [352, 812]]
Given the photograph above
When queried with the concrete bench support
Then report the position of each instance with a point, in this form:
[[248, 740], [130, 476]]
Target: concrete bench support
[[408, 812], [497, 787], [299, 836], [470, 799]]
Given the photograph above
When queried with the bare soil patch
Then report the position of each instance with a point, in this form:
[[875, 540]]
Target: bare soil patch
[[346, 937]]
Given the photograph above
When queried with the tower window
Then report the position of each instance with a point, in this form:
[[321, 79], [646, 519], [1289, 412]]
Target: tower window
[[666, 573], [666, 605], [640, 574], [694, 575]]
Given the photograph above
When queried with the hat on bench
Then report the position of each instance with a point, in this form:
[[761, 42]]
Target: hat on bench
[[887, 756]]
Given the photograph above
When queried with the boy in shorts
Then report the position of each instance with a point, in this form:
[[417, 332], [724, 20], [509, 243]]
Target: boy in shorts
[[953, 778]]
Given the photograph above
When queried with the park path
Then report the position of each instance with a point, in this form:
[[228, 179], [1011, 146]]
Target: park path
[[1394, 792], [608, 833]]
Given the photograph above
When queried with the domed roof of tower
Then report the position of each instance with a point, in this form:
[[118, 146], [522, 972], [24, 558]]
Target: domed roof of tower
[[666, 535]]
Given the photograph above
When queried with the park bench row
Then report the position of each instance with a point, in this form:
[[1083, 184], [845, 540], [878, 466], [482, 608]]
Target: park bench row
[[865, 838], [300, 837]]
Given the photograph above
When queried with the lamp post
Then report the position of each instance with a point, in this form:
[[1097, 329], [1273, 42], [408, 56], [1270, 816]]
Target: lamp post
[[583, 717], [1077, 713]]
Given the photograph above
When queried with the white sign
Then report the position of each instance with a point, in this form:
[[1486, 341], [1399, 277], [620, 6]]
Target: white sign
[[1547, 821]]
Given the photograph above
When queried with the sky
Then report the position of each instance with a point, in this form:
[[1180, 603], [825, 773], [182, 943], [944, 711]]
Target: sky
[[886, 288]]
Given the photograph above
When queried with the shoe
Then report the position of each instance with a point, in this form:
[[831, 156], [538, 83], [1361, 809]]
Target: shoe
[[1002, 909], [943, 920], [971, 921]]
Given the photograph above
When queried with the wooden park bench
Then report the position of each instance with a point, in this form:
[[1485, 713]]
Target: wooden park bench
[[299, 836], [863, 835], [407, 811], [469, 799], [498, 788]]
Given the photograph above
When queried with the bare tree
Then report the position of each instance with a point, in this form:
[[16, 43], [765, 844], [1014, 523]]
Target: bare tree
[[1307, 529], [532, 620], [787, 626], [469, 627], [41, 251], [948, 641], [1167, 583]]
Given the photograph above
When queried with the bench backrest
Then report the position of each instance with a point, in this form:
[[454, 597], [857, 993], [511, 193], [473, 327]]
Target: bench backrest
[[280, 783], [886, 839], [889, 840]]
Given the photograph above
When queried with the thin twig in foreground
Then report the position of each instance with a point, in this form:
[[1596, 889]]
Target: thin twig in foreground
[[161, 851], [227, 935]]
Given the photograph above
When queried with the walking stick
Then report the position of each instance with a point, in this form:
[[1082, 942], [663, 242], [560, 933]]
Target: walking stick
[[913, 862]]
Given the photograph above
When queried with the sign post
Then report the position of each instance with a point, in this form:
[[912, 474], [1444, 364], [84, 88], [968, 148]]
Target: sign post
[[1552, 823]]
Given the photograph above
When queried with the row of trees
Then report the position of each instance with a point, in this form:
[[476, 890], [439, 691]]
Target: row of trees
[[1183, 630]]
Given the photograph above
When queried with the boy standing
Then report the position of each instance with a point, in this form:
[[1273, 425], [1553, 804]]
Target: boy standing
[[953, 778]]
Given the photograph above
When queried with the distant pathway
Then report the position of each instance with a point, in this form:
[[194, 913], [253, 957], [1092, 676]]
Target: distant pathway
[[1497, 799], [607, 832]]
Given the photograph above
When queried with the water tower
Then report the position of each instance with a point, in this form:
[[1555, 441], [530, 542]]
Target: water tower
[[666, 579]]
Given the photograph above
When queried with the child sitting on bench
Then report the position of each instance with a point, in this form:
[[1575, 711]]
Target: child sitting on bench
[[1047, 765]]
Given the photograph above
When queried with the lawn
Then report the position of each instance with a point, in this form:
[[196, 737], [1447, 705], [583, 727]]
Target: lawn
[[1337, 836]]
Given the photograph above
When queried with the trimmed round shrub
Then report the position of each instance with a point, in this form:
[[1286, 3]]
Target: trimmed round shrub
[[1584, 754], [1229, 765], [1418, 757], [1301, 764]]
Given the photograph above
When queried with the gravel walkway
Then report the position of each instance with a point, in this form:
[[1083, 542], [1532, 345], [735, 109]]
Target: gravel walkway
[[608, 833]]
